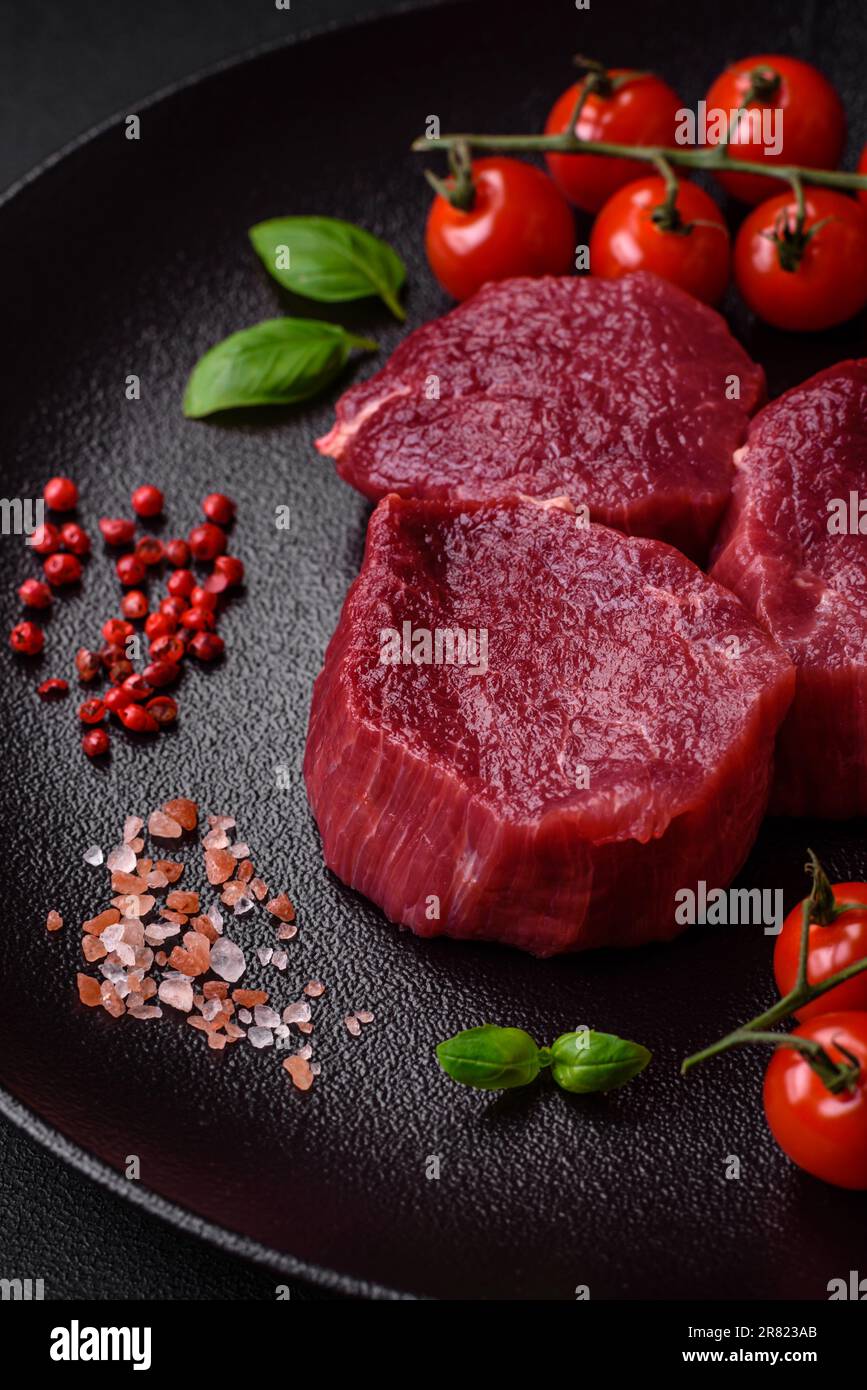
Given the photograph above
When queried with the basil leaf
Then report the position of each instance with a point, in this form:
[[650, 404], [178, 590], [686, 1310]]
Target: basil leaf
[[277, 362], [490, 1058], [587, 1061], [326, 259]]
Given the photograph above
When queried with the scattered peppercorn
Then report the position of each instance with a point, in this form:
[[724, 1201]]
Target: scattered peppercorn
[[95, 743], [219, 508], [34, 594], [27, 639], [147, 500], [117, 530], [60, 494], [207, 541], [130, 570], [61, 570]]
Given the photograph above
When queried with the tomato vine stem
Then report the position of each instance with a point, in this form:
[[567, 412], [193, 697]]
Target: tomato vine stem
[[709, 158], [816, 911]]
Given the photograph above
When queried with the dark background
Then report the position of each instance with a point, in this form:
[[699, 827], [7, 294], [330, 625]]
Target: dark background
[[64, 68]]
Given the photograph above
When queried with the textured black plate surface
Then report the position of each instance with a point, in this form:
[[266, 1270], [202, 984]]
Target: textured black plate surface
[[132, 258]]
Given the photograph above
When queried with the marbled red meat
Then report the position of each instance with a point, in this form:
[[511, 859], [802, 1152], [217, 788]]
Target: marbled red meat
[[804, 466], [617, 746], [615, 393]]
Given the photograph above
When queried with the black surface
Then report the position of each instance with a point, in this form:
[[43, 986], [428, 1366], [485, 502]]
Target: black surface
[[538, 1192]]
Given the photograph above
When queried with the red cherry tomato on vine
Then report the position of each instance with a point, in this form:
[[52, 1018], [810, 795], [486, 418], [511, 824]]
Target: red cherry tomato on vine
[[824, 1133], [811, 125], [690, 254], [827, 285], [832, 947], [643, 111], [519, 224]]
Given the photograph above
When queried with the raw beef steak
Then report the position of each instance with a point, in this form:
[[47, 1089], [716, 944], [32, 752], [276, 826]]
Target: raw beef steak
[[606, 739], [792, 549], [615, 393]]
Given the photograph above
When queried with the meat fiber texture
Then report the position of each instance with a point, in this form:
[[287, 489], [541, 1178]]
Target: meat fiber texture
[[628, 396], [802, 472], [614, 745]]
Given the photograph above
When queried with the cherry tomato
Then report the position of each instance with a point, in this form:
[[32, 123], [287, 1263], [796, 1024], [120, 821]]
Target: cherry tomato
[[824, 1133], [828, 284], [519, 224], [811, 126], [643, 111], [862, 169], [628, 235], [832, 948]]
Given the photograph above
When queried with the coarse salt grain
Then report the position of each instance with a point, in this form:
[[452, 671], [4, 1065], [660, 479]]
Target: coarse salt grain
[[260, 1037], [245, 1016], [297, 1013], [279, 960], [227, 960], [53, 921], [286, 931], [131, 826], [265, 953], [352, 1025], [314, 989], [364, 1015], [94, 856], [178, 994], [121, 860], [300, 1072], [165, 826], [265, 1016]]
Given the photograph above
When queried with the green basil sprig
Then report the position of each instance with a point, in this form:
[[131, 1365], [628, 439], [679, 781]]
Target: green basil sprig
[[277, 362], [330, 260], [493, 1059]]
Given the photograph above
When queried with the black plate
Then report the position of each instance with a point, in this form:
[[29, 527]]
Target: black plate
[[132, 258]]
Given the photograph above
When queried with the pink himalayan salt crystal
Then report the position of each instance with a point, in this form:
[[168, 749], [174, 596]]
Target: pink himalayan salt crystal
[[215, 839], [286, 931], [53, 921], [240, 851], [314, 989], [243, 906], [121, 860], [184, 811], [227, 960], [281, 907], [178, 994], [258, 888], [315, 1068], [156, 879], [134, 904], [299, 1070], [264, 953], [217, 1040], [146, 1011], [233, 892], [159, 823], [137, 845], [131, 826], [221, 822], [219, 865], [89, 991], [305, 1027], [306, 1052], [98, 924], [233, 1032], [364, 1015], [352, 1025], [92, 948], [297, 1013], [245, 1016], [279, 960], [265, 1016], [111, 1000], [93, 856]]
